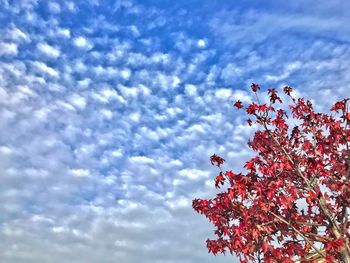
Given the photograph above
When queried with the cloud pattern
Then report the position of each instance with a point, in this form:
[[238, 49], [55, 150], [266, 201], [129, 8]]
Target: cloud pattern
[[109, 111]]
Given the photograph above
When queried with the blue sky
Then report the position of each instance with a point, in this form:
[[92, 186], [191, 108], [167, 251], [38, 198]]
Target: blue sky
[[110, 110]]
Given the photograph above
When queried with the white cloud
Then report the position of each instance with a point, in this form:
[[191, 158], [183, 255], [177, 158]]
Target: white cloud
[[42, 114], [54, 7], [48, 50], [126, 73], [191, 90], [201, 43], [135, 31], [231, 72], [64, 32], [128, 91], [117, 153], [78, 101], [181, 202], [194, 174], [8, 49], [241, 95], [135, 116], [6, 150], [82, 42], [107, 94], [197, 128], [223, 93], [70, 6], [45, 69], [80, 172], [141, 160], [17, 35], [107, 114]]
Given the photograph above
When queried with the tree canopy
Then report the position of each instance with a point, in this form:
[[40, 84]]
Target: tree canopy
[[293, 202]]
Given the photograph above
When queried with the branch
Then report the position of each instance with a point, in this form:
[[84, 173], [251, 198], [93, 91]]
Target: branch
[[299, 233], [309, 224], [310, 256], [337, 232], [318, 236], [321, 200]]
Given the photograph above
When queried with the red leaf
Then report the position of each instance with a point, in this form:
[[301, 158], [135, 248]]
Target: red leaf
[[219, 180], [334, 245], [238, 104], [262, 107], [255, 87], [216, 160], [252, 108], [287, 90]]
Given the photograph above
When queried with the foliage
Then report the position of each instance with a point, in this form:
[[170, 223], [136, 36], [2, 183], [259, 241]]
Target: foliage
[[293, 202]]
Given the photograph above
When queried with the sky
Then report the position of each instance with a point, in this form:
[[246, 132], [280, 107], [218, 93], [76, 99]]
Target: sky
[[110, 110]]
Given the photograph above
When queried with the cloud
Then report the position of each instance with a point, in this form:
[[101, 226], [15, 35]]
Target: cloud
[[78, 101], [201, 43], [64, 32], [54, 7], [48, 50], [82, 42], [45, 69], [80, 172], [8, 49], [17, 35], [257, 26]]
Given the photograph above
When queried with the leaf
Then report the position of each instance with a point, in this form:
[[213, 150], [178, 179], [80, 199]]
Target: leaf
[[262, 108], [287, 90], [219, 180], [255, 87], [238, 104]]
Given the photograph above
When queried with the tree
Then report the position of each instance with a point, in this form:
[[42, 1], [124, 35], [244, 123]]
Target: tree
[[293, 202]]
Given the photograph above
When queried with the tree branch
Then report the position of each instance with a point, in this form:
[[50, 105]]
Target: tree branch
[[299, 233]]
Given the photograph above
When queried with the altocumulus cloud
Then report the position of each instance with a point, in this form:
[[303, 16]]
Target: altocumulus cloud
[[109, 111]]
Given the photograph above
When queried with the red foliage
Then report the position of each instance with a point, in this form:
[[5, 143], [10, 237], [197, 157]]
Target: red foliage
[[258, 215], [238, 104], [287, 90], [255, 87], [216, 160]]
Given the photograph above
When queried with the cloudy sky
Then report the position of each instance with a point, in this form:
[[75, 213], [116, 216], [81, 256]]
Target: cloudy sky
[[110, 110]]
